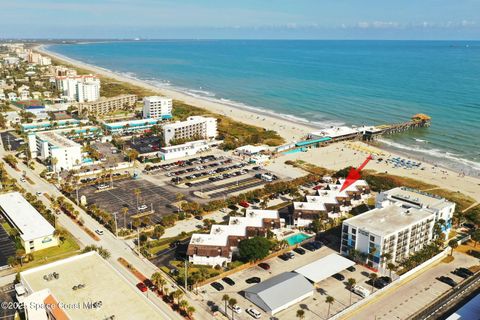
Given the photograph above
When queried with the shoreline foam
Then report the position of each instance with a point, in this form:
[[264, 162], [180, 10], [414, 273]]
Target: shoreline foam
[[289, 128]]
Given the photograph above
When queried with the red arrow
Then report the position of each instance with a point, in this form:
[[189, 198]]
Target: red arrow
[[354, 174]]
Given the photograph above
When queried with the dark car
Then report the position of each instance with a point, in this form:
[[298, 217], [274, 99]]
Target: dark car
[[253, 280], [309, 246], [317, 244], [338, 276], [228, 281], [284, 257], [379, 283], [264, 266], [299, 250], [447, 280], [351, 269], [199, 217], [474, 253], [463, 272], [386, 279], [150, 284], [217, 286]]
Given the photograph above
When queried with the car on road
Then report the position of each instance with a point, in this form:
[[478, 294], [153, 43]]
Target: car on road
[[299, 250], [339, 276], [254, 313], [22, 179], [264, 266], [447, 280], [142, 207], [99, 232], [142, 287], [199, 217], [253, 280], [228, 281], [217, 286], [462, 272], [38, 193], [351, 269], [236, 308]]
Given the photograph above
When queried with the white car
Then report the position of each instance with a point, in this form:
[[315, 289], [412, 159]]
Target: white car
[[142, 207], [254, 313], [38, 193], [99, 232], [361, 291], [236, 309]]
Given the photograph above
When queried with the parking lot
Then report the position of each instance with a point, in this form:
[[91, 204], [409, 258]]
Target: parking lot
[[7, 246], [314, 307], [108, 152], [145, 144], [122, 195], [11, 142]]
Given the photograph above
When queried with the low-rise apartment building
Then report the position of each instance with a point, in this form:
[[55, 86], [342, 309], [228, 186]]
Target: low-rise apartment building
[[156, 107], [330, 202], [35, 232], [129, 126], [186, 149], [218, 246], [106, 105], [53, 147], [194, 127]]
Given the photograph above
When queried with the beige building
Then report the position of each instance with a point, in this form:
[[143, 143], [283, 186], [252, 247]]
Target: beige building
[[195, 126], [107, 105]]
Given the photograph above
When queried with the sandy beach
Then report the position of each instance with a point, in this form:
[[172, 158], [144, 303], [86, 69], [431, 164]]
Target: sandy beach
[[335, 156]]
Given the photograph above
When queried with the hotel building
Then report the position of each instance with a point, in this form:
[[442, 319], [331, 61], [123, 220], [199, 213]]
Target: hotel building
[[107, 105], [330, 202], [195, 126], [79, 88], [156, 107], [218, 246], [49, 145], [129, 126], [401, 224], [35, 232]]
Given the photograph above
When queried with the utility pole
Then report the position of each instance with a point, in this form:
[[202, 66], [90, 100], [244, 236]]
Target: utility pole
[[116, 227], [186, 274]]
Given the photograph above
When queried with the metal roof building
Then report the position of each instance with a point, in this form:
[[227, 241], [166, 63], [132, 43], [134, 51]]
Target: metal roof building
[[325, 267], [280, 292]]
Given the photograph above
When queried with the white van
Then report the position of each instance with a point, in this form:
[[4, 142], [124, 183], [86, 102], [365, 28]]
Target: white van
[[361, 291], [254, 313]]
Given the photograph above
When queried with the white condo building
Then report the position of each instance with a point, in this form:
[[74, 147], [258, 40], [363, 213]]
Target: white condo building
[[401, 224], [156, 107], [35, 232], [83, 88], [195, 126], [50, 145]]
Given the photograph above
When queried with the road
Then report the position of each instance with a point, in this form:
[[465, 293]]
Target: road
[[400, 302], [116, 247]]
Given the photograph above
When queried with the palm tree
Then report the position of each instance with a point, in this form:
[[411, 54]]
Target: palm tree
[[178, 294], [330, 301], [386, 257], [190, 311], [373, 276], [351, 282], [231, 303], [300, 314], [225, 299], [137, 193], [183, 304], [453, 244], [391, 267], [158, 280], [124, 211]]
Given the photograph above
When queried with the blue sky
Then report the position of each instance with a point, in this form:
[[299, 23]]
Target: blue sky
[[292, 19]]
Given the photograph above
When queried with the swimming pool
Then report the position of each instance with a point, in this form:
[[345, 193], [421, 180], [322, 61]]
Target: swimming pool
[[297, 238]]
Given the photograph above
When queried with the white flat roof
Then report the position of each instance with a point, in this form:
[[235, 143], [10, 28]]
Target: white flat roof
[[27, 220], [102, 283], [421, 198], [325, 267], [56, 139], [389, 219], [335, 132], [237, 226]]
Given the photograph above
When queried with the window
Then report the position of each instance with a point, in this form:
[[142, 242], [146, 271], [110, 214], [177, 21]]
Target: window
[[372, 238], [354, 231]]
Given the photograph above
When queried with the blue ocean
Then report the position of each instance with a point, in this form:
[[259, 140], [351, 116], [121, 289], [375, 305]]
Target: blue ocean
[[324, 83]]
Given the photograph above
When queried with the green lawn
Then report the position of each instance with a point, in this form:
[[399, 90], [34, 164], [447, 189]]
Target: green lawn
[[67, 248]]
